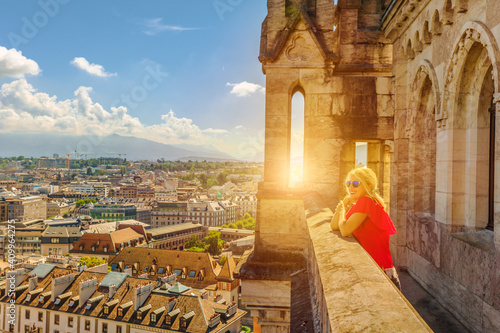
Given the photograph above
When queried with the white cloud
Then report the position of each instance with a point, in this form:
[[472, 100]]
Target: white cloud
[[239, 127], [14, 64], [214, 131], [22, 108], [244, 89], [92, 69], [155, 26]]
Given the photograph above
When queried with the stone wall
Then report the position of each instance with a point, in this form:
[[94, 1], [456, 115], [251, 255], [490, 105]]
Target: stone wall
[[446, 62]]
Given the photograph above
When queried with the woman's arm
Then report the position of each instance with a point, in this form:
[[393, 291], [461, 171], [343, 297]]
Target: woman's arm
[[348, 227]]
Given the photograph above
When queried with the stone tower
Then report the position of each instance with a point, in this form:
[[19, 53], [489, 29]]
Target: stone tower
[[337, 57]]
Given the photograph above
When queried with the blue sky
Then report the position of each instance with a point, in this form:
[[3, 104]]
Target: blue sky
[[173, 71]]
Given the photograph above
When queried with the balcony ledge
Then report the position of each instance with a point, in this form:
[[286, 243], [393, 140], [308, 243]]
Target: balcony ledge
[[350, 292]]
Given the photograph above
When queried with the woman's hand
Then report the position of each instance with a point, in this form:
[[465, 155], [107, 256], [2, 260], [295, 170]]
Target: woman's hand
[[338, 216], [346, 201]]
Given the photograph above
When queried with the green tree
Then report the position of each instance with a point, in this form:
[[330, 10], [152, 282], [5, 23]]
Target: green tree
[[246, 329], [89, 171], [91, 261], [194, 241], [203, 179], [85, 201], [195, 249], [222, 177], [214, 243], [222, 260]]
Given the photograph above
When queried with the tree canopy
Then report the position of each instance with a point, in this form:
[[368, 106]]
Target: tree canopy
[[91, 261], [247, 222]]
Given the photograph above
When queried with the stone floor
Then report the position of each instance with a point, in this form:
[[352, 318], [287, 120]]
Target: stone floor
[[435, 315]]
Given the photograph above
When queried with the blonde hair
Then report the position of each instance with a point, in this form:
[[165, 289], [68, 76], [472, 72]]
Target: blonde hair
[[369, 180]]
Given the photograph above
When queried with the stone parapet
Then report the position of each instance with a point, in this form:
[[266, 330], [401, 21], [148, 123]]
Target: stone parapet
[[350, 293]]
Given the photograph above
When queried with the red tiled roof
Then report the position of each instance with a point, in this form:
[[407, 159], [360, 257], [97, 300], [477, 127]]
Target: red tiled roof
[[99, 241], [125, 235], [200, 263]]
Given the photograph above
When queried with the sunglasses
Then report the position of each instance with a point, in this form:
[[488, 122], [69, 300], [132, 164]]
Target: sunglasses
[[355, 183]]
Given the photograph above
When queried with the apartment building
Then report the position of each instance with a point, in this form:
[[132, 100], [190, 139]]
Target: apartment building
[[231, 209], [60, 208], [23, 209], [246, 204], [209, 214], [165, 213], [145, 191], [57, 241], [106, 246], [195, 270], [51, 299], [173, 237], [28, 241]]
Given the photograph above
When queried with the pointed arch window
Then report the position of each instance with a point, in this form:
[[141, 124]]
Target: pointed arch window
[[297, 137]]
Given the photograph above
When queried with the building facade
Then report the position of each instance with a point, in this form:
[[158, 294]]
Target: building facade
[[232, 211], [246, 204], [209, 214], [28, 241], [168, 213], [57, 208], [174, 237], [113, 212], [58, 241], [23, 209]]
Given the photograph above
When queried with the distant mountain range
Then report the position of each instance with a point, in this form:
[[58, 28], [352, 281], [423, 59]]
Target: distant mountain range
[[38, 145]]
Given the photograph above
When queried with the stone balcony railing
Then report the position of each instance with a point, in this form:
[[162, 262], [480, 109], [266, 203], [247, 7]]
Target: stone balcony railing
[[346, 289]]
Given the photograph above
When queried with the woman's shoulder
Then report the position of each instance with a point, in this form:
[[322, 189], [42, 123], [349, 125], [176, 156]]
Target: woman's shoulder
[[366, 200]]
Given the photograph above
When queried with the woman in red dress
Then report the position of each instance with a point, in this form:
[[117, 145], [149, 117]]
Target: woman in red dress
[[366, 219]]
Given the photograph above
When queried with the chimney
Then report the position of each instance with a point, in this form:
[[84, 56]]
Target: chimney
[[141, 294], [60, 283], [18, 273], [112, 290], [86, 289], [169, 278], [171, 304], [214, 320], [33, 283], [128, 271], [231, 309]]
